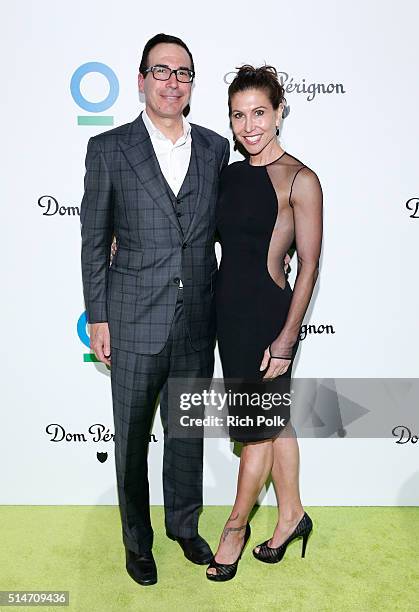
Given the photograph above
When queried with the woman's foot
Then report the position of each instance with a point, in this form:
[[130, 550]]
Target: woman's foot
[[231, 544], [284, 528], [221, 572], [273, 554]]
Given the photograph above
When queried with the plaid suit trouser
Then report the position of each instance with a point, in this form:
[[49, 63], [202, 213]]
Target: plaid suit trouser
[[137, 381]]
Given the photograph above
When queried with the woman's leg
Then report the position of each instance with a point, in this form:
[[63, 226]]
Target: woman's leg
[[255, 465], [285, 476]]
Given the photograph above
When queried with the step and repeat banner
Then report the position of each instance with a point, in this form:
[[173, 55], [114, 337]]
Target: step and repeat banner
[[69, 71]]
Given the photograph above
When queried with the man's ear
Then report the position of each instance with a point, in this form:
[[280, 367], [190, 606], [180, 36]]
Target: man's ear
[[140, 82]]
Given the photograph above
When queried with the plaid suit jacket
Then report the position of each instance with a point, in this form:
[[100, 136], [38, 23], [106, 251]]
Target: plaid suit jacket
[[127, 196]]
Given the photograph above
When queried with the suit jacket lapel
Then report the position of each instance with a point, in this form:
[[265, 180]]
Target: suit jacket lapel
[[204, 158], [139, 152]]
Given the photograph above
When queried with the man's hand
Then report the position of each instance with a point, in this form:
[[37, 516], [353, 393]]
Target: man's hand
[[100, 342]]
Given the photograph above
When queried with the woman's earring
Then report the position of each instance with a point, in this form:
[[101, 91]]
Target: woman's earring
[[277, 130]]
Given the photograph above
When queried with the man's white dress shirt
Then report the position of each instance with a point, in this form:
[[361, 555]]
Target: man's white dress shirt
[[173, 158]]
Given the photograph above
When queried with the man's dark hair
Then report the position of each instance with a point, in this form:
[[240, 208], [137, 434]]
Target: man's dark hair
[[157, 40]]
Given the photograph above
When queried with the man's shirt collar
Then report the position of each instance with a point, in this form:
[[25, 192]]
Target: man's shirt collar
[[156, 133]]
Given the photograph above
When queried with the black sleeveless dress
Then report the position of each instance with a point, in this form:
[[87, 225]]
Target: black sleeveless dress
[[255, 225]]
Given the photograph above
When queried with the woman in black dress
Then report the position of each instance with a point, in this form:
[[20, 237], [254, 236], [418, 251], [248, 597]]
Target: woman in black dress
[[267, 202]]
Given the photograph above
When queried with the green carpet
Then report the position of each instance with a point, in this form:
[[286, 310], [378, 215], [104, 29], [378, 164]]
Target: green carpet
[[357, 559]]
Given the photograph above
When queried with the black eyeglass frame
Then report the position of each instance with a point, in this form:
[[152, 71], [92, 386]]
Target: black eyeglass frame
[[172, 71]]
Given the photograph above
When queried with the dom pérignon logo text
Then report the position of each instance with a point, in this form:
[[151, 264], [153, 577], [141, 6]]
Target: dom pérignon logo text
[[51, 207], [412, 205], [404, 435], [95, 433], [300, 86], [306, 330]]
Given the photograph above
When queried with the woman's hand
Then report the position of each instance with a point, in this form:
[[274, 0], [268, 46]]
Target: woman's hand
[[277, 365], [287, 267]]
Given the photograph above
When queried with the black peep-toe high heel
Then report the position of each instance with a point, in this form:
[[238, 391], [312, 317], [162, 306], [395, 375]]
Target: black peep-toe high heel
[[274, 555], [227, 571]]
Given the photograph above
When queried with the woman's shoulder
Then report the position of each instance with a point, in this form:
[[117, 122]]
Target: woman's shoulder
[[232, 170], [235, 167], [304, 182], [297, 167], [297, 171]]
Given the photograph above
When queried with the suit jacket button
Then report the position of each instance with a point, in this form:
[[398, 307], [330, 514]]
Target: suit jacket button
[[178, 214], [185, 245]]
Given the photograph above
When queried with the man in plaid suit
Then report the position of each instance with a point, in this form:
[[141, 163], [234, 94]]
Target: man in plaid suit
[[152, 184]]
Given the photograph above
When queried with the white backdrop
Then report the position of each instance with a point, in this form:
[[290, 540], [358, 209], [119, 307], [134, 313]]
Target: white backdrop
[[361, 138]]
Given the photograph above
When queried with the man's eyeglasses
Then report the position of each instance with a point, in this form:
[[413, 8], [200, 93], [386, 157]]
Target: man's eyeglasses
[[163, 73]]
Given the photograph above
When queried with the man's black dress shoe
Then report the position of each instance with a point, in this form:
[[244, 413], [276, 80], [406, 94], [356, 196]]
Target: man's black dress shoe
[[195, 549], [141, 567]]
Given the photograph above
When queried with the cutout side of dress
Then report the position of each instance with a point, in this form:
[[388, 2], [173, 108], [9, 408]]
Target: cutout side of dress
[[282, 174]]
